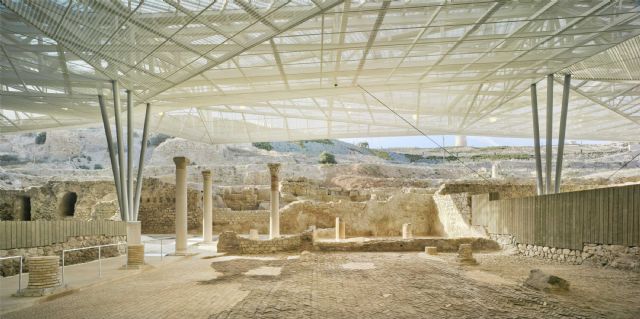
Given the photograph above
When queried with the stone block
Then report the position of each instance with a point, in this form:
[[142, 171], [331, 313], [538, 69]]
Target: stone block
[[549, 283], [465, 255], [253, 234], [431, 250]]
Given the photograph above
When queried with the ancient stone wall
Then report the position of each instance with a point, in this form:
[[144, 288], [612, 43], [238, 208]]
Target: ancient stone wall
[[614, 256], [224, 219], [505, 190], [157, 208], [370, 218], [416, 244], [11, 267], [230, 242], [84, 200], [454, 212]]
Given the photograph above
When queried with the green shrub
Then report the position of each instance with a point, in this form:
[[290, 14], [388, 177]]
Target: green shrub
[[327, 158], [84, 167], [413, 157], [41, 138], [263, 145], [363, 145], [97, 166], [10, 159], [382, 154]]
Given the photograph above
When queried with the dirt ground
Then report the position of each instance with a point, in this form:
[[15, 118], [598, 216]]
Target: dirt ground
[[351, 285]]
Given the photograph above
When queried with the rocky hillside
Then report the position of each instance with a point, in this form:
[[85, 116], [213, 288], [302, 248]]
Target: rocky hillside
[[81, 154]]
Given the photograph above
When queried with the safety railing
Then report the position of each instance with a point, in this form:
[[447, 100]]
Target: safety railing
[[20, 272], [99, 247], [161, 240]]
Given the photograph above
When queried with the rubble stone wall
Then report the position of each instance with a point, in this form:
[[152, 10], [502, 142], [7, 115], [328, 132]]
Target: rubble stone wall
[[370, 218], [94, 200], [230, 242], [416, 244], [614, 256], [224, 219], [157, 208], [11, 267]]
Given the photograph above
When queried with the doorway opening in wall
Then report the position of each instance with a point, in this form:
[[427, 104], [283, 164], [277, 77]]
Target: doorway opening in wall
[[25, 208], [67, 206]]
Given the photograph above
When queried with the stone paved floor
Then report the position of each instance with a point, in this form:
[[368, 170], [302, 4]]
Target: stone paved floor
[[398, 285]]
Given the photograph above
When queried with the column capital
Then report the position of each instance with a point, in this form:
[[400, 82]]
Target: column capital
[[206, 174], [181, 161], [274, 168]]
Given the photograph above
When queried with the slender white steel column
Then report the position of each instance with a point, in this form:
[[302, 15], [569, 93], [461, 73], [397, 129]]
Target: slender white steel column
[[563, 128], [130, 153], [119, 138], [143, 150], [274, 220], [536, 139], [112, 155], [181, 204], [549, 134], [207, 214]]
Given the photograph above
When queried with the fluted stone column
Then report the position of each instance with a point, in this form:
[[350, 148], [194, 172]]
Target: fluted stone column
[[274, 220], [207, 214], [181, 204]]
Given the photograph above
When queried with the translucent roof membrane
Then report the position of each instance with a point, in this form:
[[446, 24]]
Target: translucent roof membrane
[[257, 70]]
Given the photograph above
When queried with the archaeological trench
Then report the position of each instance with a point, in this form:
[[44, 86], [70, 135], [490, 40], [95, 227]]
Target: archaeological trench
[[326, 210]]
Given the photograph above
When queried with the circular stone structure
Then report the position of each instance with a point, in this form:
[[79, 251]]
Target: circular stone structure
[[44, 276], [135, 256]]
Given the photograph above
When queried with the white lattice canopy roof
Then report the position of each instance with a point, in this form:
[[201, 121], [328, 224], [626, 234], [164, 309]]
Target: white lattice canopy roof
[[262, 70]]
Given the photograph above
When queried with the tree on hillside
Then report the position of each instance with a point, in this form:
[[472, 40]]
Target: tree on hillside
[[41, 138], [327, 158]]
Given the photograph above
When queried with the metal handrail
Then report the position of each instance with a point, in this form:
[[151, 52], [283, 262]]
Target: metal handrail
[[161, 244], [99, 256], [20, 272]]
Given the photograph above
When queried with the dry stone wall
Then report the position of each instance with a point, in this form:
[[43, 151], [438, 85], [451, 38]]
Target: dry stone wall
[[614, 256]]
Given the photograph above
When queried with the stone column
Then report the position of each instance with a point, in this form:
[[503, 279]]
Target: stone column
[[181, 204], [135, 247], [274, 220], [134, 233], [406, 231], [44, 276], [207, 214], [338, 228], [343, 230], [135, 256]]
